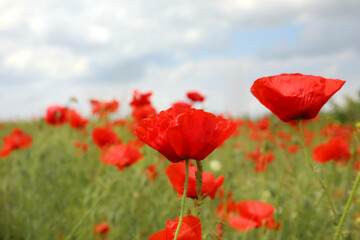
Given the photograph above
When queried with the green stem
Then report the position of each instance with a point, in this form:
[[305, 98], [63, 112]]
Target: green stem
[[198, 201], [347, 207], [317, 176], [183, 198]]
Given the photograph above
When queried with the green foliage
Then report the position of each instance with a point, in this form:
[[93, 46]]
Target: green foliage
[[349, 112], [48, 191]]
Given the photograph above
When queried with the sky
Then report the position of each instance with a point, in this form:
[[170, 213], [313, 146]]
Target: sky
[[52, 50]]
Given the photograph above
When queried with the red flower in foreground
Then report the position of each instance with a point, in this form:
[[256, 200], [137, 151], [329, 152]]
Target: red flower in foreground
[[293, 96], [104, 137], [176, 175], [56, 115], [190, 229], [15, 140], [75, 120], [336, 149], [102, 229], [195, 96], [247, 215], [180, 133], [121, 156]]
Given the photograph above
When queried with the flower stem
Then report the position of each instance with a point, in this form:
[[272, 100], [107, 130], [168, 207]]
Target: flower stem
[[347, 207], [198, 174], [317, 176], [183, 198]]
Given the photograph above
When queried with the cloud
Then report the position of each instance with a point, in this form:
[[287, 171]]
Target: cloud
[[90, 48], [53, 62]]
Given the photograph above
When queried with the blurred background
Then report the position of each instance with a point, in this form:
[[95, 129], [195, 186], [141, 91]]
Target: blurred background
[[53, 50]]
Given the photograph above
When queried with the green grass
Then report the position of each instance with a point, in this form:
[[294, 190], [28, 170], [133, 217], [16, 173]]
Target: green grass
[[49, 189]]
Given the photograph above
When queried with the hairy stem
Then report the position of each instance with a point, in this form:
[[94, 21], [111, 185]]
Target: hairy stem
[[331, 205]]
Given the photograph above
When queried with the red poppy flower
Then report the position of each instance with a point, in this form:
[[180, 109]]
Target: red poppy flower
[[336, 149], [261, 159], [121, 156], [140, 99], [75, 120], [81, 146], [283, 135], [356, 165], [15, 140], [176, 175], [143, 111], [190, 229], [104, 137], [141, 106], [337, 130], [119, 122], [104, 108], [262, 124], [102, 229], [225, 208], [56, 115], [180, 133], [293, 148], [181, 104], [195, 96], [294, 96], [150, 172], [251, 214]]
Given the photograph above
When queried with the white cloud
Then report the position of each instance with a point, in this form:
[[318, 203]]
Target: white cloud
[[49, 61], [173, 47], [10, 15]]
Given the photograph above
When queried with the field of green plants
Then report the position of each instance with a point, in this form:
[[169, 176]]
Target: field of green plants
[[55, 190]]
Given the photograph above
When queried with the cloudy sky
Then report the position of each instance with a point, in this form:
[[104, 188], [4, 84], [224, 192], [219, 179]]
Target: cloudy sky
[[51, 50]]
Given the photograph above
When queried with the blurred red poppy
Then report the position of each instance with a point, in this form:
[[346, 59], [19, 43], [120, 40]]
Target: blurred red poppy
[[119, 122], [251, 214], [335, 129], [293, 148], [190, 229], [336, 149], [102, 229], [141, 106], [75, 120], [81, 146], [104, 108], [176, 175], [150, 172], [181, 104], [260, 158], [180, 133], [195, 96], [121, 156], [140, 99], [15, 140], [294, 96], [56, 115], [143, 111], [104, 137]]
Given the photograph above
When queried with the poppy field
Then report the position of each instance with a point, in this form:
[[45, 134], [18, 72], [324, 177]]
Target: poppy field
[[185, 173]]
